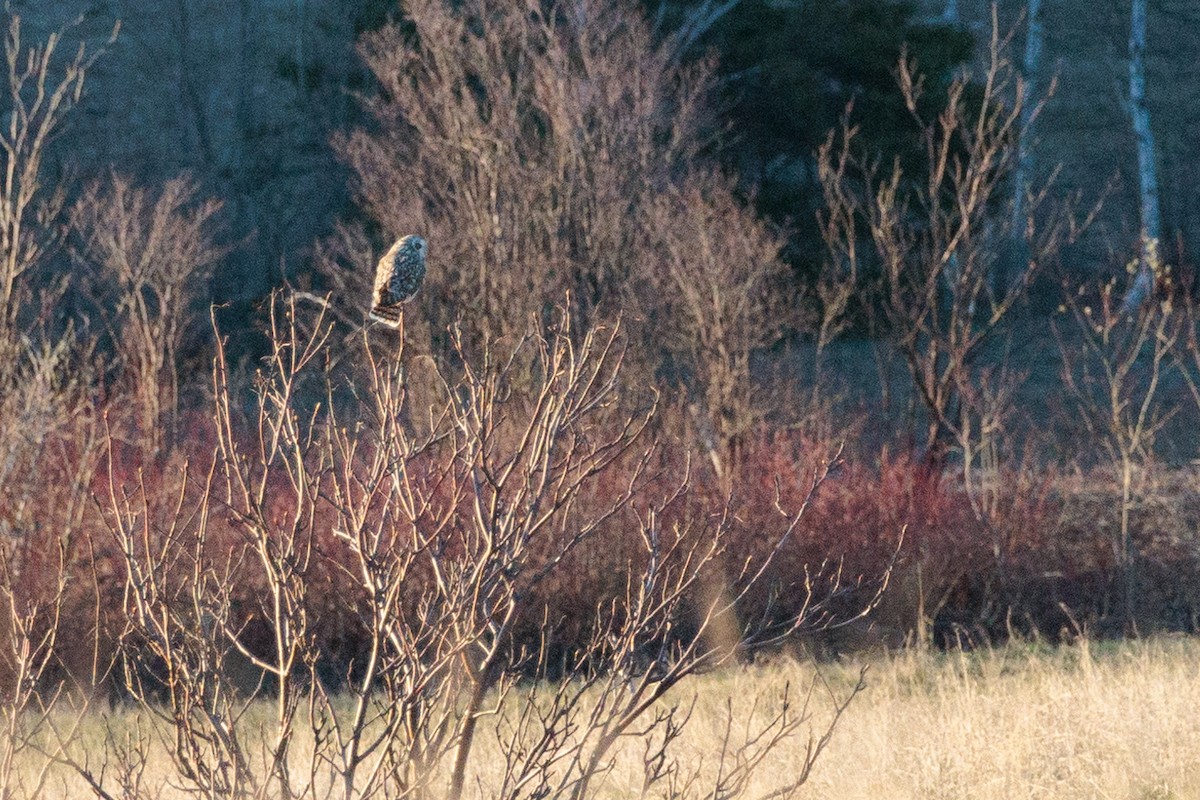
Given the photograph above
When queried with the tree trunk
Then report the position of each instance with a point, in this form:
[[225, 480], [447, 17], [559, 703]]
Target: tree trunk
[[301, 54], [1126, 553], [1018, 248], [244, 109], [1139, 113]]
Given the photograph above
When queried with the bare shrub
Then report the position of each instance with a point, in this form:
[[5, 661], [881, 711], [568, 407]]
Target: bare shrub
[[150, 255], [441, 552], [1114, 365], [524, 143], [712, 292], [936, 243]]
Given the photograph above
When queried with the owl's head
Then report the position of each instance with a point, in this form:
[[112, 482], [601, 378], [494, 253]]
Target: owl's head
[[413, 245]]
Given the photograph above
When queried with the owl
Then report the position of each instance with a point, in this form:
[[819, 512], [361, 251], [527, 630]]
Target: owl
[[397, 278]]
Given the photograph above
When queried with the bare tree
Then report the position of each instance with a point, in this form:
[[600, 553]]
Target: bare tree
[[714, 292], [1115, 381], [514, 140], [935, 246], [150, 255], [564, 176], [1150, 230]]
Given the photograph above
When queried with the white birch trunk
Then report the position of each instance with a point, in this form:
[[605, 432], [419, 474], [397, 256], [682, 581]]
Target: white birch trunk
[[1015, 258], [1150, 233], [699, 21]]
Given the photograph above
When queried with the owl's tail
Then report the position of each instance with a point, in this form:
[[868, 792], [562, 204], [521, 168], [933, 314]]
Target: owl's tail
[[388, 315]]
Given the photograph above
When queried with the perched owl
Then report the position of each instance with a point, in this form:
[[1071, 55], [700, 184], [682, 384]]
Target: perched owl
[[397, 278]]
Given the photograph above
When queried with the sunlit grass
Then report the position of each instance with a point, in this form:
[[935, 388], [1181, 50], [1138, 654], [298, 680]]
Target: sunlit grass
[[1093, 720], [1113, 720]]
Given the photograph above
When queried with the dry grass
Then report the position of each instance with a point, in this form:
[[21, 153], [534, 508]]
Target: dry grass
[[1111, 720], [1098, 720]]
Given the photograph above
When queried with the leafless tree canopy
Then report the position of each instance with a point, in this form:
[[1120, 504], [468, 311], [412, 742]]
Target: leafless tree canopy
[[529, 143], [148, 258]]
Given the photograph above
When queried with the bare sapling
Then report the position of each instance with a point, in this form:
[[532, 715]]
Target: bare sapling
[[936, 240], [1114, 364], [41, 91], [172, 657], [46, 363], [272, 496], [29, 628], [48, 432], [149, 256], [712, 292]]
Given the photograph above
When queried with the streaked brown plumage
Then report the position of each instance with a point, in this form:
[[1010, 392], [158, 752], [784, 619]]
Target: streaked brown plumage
[[398, 276]]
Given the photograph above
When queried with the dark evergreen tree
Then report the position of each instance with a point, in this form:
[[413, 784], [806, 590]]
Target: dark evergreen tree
[[791, 69]]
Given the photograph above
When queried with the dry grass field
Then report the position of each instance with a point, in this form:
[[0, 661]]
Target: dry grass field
[[1091, 720]]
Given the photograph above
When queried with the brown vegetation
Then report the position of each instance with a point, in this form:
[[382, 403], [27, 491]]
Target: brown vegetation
[[517, 535]]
